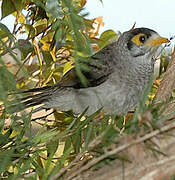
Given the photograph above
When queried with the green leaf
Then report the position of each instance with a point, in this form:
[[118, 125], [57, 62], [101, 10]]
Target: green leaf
[[40, 26], [4, 138], [6, 82], [7, 8], [38, 166], [45, 136], [5, 159], [30, 29], [80, 74], [25, 47], [25, 167], [47, 57], [88, 135], [107, 37], [60, 163], [54, 9], [52, 146], [5, 32], [140, 108], [10, 6]]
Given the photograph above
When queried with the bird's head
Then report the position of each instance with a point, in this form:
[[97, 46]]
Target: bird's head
[[142, 42]]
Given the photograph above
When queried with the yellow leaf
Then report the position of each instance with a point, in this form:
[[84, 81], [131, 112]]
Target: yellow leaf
[[83, 2], [99, 20], [67, 67], [52, 53], [46, 47]]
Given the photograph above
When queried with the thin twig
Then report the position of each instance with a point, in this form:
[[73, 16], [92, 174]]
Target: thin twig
[[119, 149], [94, 143], [157, 163], [25, 60]]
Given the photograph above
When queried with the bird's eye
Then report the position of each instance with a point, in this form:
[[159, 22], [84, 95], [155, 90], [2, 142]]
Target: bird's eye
[[142, 39], [139, 39]]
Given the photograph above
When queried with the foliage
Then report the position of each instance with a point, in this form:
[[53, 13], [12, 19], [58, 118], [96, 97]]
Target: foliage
[[58, 36]]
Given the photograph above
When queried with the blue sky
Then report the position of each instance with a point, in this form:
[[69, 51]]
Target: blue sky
[[121, 14]]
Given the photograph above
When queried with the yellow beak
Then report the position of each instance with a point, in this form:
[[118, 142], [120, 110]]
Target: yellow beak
[[157, 42]]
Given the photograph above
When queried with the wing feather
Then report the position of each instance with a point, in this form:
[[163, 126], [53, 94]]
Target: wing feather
[[100, 69]]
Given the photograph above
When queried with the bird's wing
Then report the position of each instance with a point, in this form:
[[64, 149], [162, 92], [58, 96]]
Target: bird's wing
[[100, 69]]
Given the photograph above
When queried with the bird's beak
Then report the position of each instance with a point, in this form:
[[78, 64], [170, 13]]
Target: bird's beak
[[157, 42]]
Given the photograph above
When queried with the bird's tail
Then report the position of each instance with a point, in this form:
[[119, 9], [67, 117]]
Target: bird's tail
[[40, 96]]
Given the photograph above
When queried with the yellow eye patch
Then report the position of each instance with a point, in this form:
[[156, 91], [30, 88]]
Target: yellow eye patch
[[139, 39]]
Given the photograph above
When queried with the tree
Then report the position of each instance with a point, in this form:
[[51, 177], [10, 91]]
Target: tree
[[57, 35]]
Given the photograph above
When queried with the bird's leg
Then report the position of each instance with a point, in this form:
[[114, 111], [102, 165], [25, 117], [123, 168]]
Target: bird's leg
[[101, 114], [127, 117]]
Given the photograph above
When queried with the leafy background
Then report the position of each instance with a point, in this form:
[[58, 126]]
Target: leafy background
[[53, 144]]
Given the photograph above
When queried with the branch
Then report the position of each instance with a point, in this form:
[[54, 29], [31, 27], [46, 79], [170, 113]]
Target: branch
[[117, 150], [93, 144], [167, 85]]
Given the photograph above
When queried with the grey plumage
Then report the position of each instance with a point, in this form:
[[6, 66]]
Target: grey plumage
[[119, 73]]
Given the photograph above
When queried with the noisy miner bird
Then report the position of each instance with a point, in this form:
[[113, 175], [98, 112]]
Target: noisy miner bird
[[117, 79]]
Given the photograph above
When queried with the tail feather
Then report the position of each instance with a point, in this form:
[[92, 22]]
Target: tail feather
[[36, 100], [35, 96], [41, 89], [42, 96]]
